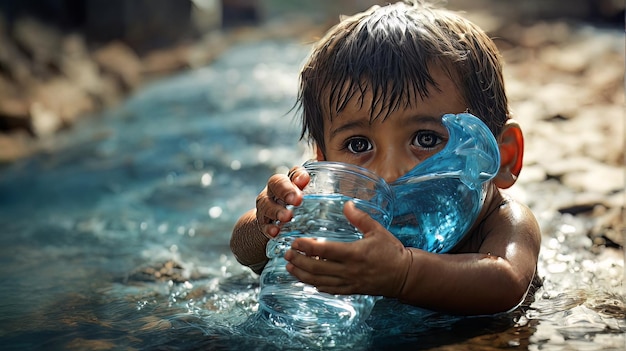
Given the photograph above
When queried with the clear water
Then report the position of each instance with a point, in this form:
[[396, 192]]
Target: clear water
[[321, 217], [300, 309], [432, 222], [119, 239]]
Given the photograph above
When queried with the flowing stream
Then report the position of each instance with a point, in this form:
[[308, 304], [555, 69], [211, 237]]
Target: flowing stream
[[119, 238]]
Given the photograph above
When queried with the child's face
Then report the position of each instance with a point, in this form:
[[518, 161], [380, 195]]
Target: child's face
[[395, 145]]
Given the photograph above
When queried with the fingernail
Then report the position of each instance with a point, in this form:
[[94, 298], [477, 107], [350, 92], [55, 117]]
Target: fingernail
[[272, 231], [290, 198], [282, 214]]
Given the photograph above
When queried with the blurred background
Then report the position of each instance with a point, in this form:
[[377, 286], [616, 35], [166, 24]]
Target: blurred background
[[64, 59]]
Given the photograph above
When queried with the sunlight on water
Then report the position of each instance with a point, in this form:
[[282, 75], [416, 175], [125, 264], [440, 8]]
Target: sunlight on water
[[581, 303], [120, 239]]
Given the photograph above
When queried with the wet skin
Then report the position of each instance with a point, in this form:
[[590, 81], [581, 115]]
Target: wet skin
[[490, 272]]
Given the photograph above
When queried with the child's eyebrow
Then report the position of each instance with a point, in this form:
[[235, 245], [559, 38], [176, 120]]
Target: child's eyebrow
[[424, 119], [413, 119], [347, 126]]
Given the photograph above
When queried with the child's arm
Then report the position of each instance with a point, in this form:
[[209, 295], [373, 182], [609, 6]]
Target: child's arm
[[255, 227], [493, 280], [248, 242]]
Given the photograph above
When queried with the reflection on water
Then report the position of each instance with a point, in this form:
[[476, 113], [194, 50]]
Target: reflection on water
[[120, 239], [582, 302]]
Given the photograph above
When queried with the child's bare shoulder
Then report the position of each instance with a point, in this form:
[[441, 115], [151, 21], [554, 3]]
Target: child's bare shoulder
[[510, 222], [505, 220]]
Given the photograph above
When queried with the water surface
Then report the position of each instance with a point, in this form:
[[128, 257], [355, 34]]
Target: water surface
[[119, 238]]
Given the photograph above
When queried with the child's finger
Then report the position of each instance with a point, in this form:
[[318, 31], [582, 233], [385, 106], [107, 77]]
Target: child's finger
[[314, 271], [282, 191], [326, 250], [269, 210], [299, 176], [328, 284], [361, 220]]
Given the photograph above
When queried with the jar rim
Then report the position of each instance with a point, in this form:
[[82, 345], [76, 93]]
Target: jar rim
[[350, 168]]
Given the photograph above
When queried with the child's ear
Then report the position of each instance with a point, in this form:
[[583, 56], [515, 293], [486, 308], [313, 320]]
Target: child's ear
[[511, 145], [319, 154]]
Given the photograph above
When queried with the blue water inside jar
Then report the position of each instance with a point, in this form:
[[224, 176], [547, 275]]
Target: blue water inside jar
[[437, 202]]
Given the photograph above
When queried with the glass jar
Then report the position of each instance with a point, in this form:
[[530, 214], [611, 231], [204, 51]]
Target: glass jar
[[300, 308]]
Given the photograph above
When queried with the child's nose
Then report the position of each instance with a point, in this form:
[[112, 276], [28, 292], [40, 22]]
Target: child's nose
[[391, 177], [390, 171]]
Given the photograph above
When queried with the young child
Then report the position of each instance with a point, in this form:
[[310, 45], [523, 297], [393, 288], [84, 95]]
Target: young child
[[372, 94]]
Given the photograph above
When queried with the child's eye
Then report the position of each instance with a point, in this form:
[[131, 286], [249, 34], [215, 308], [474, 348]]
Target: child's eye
[[427, 139], [358, 145]]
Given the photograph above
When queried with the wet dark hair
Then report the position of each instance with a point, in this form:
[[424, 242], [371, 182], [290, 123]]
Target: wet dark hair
[[388, 50]]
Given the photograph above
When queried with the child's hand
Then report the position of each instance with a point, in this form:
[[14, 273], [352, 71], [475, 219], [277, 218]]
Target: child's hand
[[281, 190], [378, 264]]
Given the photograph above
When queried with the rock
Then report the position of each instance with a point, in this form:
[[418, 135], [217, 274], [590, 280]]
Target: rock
[[557, 168], [77, 65], [585, 203], [598, 178], [14, 112], [568, 59], [166, 271], [43, 121], [561, 98], [63, 98], [543, 144], [159, 62], [15, 145], [122, 62], [600, 133], [15, 64], [609, 225], [542, 34], [41, 44], [532, 173]]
